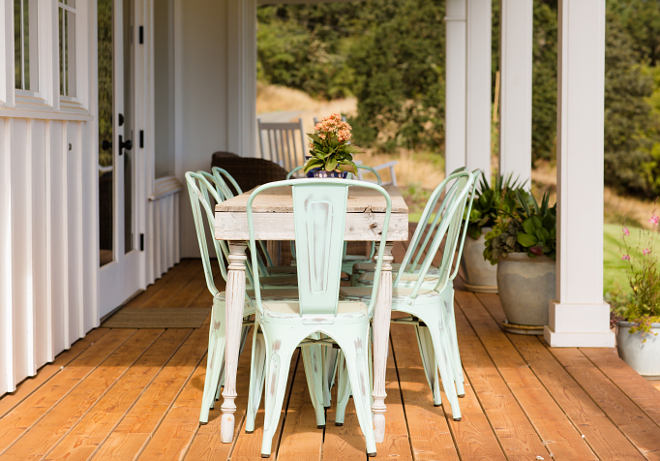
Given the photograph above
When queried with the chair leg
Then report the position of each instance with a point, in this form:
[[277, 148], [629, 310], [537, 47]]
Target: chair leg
[[457, 365], [442, 351], [330, 371], [278, 362], [312, 358], [343, 390], [428, 360], [358, 372], [257, 375], [215, 358]]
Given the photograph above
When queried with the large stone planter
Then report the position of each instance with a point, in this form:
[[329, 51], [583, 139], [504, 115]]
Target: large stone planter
[[526, 286], [642, 356], [480, 275]]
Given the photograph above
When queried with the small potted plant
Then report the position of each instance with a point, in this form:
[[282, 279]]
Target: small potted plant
[[481, 277], [330, 150], [523, 245], [637, 334]]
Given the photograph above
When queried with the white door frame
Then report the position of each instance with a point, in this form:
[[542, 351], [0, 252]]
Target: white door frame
[[120, 279]]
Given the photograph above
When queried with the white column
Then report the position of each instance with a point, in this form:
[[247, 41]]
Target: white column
[[455, 85], [580, 317], [241, 80], [479, 24], [516, 42]]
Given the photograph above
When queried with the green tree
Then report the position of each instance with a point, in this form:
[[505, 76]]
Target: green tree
[[630, 127], [399, 77]]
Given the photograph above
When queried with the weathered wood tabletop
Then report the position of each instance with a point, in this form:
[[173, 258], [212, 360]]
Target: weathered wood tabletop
[[273, 216]]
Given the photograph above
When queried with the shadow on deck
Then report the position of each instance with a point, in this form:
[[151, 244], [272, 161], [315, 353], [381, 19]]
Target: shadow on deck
[[135, 394]]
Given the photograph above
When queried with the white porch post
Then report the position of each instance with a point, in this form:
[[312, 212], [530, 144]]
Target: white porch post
[[455, 85], [241, 77], [580, 317], [479, 25], [516, 41]]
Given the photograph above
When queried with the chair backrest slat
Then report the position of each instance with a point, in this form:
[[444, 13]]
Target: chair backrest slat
[[282, 143]]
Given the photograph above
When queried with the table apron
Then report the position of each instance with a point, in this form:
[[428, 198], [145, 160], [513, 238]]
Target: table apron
[[280, 226]]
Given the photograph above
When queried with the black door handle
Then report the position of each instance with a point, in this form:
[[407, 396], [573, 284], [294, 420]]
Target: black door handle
[[106, 145], [128, 145]]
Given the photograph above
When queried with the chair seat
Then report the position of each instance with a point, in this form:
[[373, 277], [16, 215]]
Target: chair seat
[[398, 294], [368, 277], [280, 280], [282, 269], [293, 307]]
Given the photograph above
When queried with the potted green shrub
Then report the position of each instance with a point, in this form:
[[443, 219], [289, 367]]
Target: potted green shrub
[[330, 149], [637, 334], [480, 276], [523, 245]]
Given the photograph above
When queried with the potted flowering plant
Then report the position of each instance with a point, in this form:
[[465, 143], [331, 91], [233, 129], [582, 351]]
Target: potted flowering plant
[[637, 334], [481, 277], [523, 245], [330, 150]]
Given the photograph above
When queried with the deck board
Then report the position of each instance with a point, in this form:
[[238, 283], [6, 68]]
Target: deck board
[[135, 394]]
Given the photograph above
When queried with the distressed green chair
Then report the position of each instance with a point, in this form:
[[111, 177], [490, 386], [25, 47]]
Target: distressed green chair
[[430, 302], [319, 209], [199, 190]]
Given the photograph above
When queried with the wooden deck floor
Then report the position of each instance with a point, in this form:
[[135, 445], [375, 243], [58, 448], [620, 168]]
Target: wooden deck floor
[[134, 394]]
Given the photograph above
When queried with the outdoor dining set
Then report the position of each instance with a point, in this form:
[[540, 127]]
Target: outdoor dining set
[[336, 307]]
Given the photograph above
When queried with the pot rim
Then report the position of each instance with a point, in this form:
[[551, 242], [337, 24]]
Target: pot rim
[[625, 324], [524, 257]]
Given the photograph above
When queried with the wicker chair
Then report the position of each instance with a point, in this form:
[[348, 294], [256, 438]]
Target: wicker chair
[[248, 172]]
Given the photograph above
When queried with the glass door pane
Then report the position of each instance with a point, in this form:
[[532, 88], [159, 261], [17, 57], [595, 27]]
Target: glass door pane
[[106, 130]]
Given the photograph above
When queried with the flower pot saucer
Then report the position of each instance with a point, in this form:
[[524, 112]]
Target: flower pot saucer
[[522, 329], [480, 288]]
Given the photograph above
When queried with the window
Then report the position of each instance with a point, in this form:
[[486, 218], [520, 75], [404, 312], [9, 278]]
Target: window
[[25, 45], [67, 23]]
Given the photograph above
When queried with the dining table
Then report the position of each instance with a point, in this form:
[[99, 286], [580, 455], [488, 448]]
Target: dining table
[[273, 221]]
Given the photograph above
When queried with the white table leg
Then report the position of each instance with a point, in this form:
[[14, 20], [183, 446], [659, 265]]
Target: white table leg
[[381, 333], [235, 301]]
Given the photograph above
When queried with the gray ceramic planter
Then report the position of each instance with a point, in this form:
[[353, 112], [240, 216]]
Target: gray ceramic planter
[[526, 286], [642, 356], [480, 275]]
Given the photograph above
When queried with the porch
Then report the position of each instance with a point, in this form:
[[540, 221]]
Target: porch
[[135, 394]]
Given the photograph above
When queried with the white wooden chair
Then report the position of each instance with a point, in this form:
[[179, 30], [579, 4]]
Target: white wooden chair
[[284, 144]]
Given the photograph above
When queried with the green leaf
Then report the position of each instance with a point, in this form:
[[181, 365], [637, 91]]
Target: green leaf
[[314, 137], [331, 164], [312, 163], [526, 240], [528, 225]]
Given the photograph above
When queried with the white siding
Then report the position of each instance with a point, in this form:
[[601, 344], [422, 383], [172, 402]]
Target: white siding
[[47, 283]]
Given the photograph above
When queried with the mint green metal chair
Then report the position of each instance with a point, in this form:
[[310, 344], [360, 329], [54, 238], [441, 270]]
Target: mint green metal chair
[[319, 209], [201, 190], [430, 302]]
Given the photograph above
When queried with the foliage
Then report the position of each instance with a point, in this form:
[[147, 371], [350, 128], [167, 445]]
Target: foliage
[[330, 147], [531, 229], [544, 81], [489, 200], [643, 305], [399, 77], [630, 127]]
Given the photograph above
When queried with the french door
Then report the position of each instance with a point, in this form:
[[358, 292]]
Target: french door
[[120, 256]]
